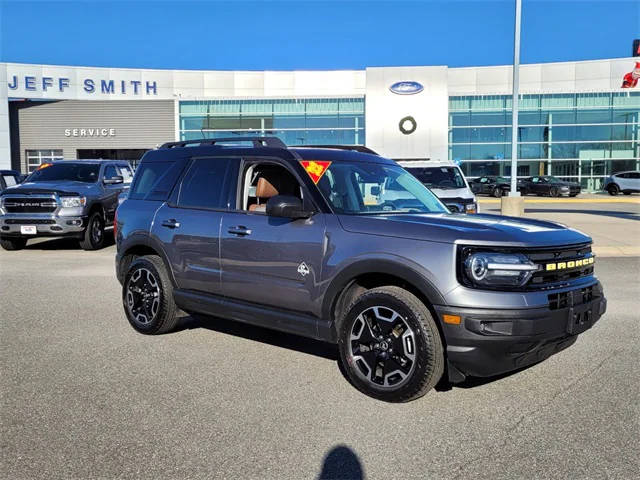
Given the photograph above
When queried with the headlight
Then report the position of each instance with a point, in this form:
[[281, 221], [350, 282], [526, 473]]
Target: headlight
[[499, 269], [70, 202], [470, 208]]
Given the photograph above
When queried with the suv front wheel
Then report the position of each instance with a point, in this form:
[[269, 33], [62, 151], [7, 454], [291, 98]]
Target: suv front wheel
[[147, 296], [390, 345]]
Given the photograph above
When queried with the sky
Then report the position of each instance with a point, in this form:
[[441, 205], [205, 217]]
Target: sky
[[312, 35]]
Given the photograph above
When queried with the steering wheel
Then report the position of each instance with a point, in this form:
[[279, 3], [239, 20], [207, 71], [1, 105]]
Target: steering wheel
[[447, 183], [388, 203]]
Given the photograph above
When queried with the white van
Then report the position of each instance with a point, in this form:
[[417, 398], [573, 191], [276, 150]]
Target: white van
[[446, 181]]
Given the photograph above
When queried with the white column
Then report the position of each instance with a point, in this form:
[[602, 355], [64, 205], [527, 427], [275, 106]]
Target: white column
[[5, 139]]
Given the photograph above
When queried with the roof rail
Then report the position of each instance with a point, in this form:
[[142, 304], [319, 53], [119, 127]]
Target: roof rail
[[355, 148], [273, 142]]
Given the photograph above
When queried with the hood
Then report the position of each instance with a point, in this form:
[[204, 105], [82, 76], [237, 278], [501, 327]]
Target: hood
[[65, 187], [466, 229], [452, 192]]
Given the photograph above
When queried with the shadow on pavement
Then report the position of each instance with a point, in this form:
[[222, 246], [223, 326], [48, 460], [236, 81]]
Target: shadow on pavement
[[341, 463], [260, 334], [64, 243]]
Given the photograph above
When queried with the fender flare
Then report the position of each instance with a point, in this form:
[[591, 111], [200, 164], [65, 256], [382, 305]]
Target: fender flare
[[144, 240], [383, 266]]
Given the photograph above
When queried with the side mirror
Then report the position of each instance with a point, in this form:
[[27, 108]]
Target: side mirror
[[375, 191], [113, 180], [286, 206]]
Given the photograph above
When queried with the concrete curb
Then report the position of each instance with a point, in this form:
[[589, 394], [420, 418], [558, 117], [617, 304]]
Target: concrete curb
[[621, 251], [567, 200]]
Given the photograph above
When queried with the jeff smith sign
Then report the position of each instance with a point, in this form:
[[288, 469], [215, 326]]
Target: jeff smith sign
[[88, 85]]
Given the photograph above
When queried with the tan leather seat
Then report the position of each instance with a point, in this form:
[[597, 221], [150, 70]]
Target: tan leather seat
[[264, 191]]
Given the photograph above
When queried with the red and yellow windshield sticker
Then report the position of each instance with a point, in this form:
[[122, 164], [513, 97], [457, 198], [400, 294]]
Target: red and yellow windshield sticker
[[44, 165], [315, 168]]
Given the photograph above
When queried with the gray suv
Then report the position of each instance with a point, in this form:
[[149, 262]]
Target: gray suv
[[67, 198], [303, 240]]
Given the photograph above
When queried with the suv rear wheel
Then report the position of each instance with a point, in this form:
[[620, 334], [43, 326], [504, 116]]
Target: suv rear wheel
[[613, 189], [147, 296], [390, 345], [13, 243], [93, 238]]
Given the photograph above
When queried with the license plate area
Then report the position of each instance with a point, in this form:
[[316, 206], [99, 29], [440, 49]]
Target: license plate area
[[580, 319], [28, 229]]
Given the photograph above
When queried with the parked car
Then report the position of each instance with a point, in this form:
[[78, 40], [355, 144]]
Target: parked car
[[625, 182], [9, 178], [494, 186], [283, 238], [65, 198], [446, 181], [548, 185]]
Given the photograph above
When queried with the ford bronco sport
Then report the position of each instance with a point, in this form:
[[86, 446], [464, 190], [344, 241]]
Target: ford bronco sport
[[66, 198], [302, 240]]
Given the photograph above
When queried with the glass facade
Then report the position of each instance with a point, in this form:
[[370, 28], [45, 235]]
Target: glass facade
[[304, 121], [581, 137]]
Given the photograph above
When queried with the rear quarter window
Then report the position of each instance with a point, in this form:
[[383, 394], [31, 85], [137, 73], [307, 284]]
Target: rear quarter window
[[155, 180]]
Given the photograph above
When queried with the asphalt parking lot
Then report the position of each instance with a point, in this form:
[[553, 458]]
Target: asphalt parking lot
[[84, 396]]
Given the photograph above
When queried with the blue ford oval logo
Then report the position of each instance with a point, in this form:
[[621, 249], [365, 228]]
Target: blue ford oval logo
[[406, 88]]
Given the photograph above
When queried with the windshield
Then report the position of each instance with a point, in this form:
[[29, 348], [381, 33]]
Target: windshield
[[76, 172], [371, 188], [439, 177], [554, 180]]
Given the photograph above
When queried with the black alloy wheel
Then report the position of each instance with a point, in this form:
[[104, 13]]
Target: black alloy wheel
[[390, 345], [382, 346], [147, 296], [143, 296]]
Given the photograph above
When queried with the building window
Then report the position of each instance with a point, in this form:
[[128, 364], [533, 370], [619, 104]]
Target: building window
[[35, 158], [582, 137], [301, 121]]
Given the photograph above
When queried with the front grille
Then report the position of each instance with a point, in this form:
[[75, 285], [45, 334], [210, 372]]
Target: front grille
[[553, 278], [561, 300], [558, 266], [30, 221], [29, 205]]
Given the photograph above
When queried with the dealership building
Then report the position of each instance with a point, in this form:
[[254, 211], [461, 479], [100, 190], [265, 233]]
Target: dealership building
[[576, 120]]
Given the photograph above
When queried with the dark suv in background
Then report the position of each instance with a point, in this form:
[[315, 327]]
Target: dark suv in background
[[66, 198], [296, 239]]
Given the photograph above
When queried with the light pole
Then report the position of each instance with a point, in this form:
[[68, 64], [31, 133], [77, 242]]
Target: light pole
[[514, 204]]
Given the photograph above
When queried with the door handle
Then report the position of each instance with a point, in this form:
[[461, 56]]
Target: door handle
[[240, 230], [171, 223]]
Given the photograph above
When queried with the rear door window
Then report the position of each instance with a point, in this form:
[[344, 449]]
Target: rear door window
[[155, 180], [204, 185]]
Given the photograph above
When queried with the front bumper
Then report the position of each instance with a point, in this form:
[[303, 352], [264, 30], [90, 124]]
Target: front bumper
[[47, 225], [490, 342]]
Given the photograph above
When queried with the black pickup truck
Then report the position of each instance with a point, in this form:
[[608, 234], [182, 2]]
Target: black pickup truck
[[65, 198]]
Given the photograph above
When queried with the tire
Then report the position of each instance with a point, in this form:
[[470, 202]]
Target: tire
[[553, 192], [93, 237], [147, 296], [404, 323], [613, 189], [13, 243], [497, 192]]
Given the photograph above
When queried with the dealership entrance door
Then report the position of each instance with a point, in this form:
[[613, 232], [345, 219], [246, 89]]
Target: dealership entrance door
[[133, 155]]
